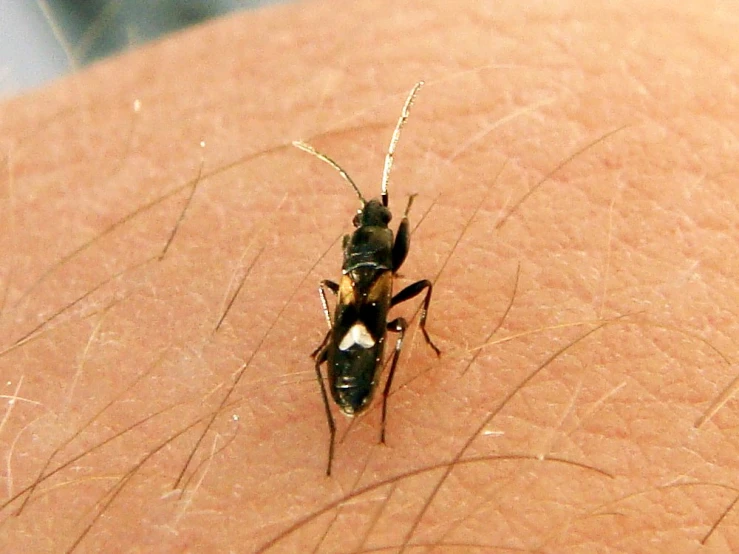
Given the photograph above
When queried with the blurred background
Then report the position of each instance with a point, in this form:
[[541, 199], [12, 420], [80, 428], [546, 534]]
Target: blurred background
[[44, 39]]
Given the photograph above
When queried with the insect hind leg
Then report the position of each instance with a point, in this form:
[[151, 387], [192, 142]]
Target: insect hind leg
[[398, 325], [321, 356]]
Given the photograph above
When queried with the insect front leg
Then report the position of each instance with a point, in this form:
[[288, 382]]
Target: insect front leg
[[321, 356], [402, 238], [412, 291]]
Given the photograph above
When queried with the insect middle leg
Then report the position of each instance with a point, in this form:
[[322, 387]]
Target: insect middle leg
[[320, 356], [333, 287], [411, 291]]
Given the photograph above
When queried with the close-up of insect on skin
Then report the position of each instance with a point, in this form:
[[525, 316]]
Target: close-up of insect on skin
[[574, 205], [354, 344]]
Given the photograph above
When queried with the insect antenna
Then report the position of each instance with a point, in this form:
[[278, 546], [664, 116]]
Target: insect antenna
[[394, 140], [308, 148]]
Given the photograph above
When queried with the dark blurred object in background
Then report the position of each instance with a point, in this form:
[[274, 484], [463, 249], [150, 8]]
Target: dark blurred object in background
[[42, 40]]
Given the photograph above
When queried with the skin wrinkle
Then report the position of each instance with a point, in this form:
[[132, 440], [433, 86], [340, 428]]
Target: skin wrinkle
[[641, 224]]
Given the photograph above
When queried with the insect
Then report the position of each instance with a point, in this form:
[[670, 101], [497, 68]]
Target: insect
[[353, 347]]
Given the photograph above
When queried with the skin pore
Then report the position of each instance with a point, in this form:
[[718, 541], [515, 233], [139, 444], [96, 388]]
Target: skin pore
[[575, 165]]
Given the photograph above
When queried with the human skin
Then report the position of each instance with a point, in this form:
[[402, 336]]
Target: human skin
[[575, 165]]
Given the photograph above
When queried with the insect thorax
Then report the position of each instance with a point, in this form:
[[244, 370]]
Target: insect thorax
[[369, 246]]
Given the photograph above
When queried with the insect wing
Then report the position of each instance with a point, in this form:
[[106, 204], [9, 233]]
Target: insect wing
[[355, 354]]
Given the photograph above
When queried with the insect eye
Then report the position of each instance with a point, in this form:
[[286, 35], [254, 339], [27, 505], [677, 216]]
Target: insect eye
[[355, 221]]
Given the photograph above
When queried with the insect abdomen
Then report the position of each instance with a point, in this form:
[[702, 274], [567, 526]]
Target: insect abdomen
[[352, 375]]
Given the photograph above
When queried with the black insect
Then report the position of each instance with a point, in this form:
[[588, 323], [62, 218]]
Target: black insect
[[353, 347]]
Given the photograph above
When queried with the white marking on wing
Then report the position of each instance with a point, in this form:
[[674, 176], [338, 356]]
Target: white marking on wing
[[357, 334]]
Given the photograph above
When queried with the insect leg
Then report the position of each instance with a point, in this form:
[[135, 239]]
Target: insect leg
[[403, 238], [321, 346], [399, 326], [412, 291], [321, 358], [333, 287]]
